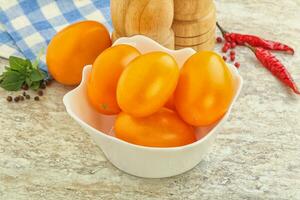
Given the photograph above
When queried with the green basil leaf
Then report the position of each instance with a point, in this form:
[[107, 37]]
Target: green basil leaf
[[36, 75], [28, 81], [35, 85], [35, 64], [12, 81], [28, 64], [44, 74], [17, 64]]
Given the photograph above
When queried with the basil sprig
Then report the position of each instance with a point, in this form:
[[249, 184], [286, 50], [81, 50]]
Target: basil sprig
[[20, 72]]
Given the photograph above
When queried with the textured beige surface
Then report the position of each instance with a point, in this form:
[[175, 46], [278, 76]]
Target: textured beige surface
[[44, 154]]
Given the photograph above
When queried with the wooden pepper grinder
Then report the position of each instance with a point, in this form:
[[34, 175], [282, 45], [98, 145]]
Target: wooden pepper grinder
[[194, 24], [152, 18]]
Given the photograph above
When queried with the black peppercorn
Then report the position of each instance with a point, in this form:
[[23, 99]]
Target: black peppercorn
[[36, 98], [17, 98], [43, 85], [27, 96], [40, 93], [24, 94], [48, 82], [9, 98], [25, 87], [21, 98]]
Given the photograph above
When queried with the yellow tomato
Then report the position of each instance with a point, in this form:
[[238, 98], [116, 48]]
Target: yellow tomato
[[74, 47], [162, 129], [107, 68], [205, 89], [170, 103], [147, 83]]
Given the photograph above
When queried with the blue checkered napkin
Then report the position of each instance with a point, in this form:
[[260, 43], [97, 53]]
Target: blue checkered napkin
[[7, 44], [31, 24]]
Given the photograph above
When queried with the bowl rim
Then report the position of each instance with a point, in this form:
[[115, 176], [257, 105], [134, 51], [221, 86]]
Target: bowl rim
[[87, 69]]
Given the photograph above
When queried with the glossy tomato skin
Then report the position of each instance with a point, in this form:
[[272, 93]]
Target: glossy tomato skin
[[162, 129], [106, 71], [171, 103], [74, 47], [205, 89], [147, 83]]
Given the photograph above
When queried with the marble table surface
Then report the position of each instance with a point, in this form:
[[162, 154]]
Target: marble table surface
[[44, 154]]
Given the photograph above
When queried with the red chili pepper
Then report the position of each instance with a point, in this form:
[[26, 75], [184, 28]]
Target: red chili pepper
[[255, 41], [270, 62]]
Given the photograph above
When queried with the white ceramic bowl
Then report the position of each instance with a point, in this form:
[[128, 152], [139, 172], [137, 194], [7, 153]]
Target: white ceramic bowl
[[139, 160]]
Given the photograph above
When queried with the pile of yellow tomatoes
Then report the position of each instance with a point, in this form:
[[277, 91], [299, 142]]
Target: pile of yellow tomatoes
[[158, 104]]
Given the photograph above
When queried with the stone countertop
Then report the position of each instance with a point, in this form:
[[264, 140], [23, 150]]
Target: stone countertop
[[44, 154]]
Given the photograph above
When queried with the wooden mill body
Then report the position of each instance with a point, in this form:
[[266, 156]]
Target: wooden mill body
[[172, 23]]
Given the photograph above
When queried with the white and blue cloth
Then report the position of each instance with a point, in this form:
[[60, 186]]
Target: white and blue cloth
[[27, 26]]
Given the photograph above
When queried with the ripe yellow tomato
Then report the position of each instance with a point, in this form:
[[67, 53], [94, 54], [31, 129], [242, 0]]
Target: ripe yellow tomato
[[205, 89], [162, 129], [171, 103], [147, 83], [102, 83], [74, 47]]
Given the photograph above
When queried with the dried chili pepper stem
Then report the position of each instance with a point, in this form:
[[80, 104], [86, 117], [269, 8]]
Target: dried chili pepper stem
[[255, 41], [270, 62], [221, 29], [250, 47]]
